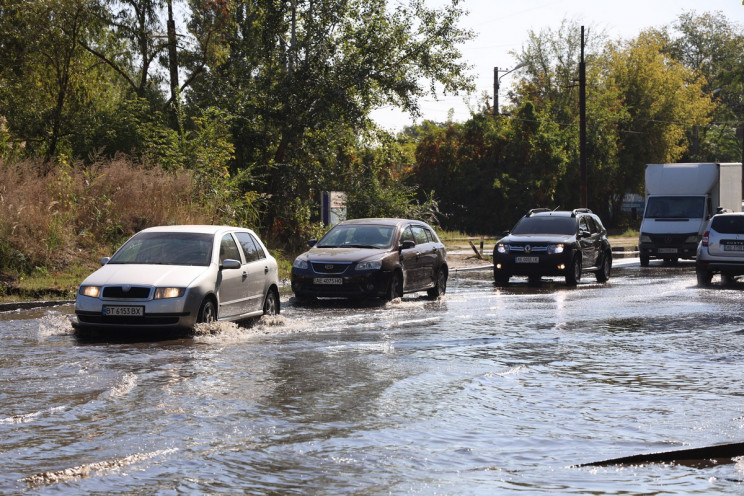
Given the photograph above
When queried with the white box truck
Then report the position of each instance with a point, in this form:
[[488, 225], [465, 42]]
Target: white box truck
[[680, 198]]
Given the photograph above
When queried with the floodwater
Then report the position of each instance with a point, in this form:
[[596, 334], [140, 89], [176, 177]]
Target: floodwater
[[485, 391]]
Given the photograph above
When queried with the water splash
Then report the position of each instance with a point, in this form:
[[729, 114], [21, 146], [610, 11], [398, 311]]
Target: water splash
[[91, 469], [54, 324]]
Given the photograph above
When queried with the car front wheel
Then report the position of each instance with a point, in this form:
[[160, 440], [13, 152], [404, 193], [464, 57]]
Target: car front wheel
[[573, 273], [395, 290], [207, 312], [271, 303]]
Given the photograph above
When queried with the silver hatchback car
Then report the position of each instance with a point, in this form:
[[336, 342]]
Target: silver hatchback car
[[172, 277], [721, 249]]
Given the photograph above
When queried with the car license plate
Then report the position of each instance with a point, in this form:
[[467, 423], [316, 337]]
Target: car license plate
[[111, 311], [732, 247], [667, 250], [527, 259], [328, 280]]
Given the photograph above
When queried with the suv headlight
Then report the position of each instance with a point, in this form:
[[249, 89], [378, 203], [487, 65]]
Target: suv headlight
[[371, 265], [644, 238], [555, 249], [502, 248], [300, 263]]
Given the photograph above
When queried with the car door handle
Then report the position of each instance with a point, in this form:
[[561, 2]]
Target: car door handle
[[245, 275], [266, 270]]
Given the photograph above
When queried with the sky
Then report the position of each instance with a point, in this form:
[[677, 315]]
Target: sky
[[501, 27]]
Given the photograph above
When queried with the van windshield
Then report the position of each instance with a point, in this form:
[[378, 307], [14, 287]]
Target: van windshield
[[675, 207]]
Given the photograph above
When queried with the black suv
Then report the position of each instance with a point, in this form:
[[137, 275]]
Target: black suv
[[554, 243]]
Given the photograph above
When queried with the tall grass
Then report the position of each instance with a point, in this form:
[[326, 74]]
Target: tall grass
[[76, 214]]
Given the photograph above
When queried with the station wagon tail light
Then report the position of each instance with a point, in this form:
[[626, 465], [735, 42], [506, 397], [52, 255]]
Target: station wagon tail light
[[162, 293], [705, 238], [555, 249], [92, 291], [502, 248]]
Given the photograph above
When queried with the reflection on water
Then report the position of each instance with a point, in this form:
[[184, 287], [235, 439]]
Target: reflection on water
[[488, 390]]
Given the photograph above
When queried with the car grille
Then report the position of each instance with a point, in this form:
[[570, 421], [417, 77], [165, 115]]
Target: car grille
[[123, 293], [669, 239], [330, 268], [523, 248]]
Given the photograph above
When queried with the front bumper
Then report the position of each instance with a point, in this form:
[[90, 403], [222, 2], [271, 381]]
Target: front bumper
[[373, 283], [508, 264], [166, 314], [670, 249]]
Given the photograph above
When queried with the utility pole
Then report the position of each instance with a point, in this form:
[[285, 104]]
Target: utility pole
[[495, 91], [582, 125], [496, 85]]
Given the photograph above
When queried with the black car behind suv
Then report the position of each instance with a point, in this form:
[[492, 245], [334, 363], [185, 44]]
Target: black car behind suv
[[554, 243]]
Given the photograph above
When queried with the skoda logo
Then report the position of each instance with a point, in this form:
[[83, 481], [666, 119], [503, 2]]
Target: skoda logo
[[527, 249], [126, 288]]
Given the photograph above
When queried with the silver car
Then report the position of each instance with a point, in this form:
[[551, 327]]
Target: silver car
[[721, 249], [172, 277]]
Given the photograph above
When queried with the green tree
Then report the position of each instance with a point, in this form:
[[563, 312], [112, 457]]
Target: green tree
[[711, 45], [662, 99], [301, 69], [51, 85]]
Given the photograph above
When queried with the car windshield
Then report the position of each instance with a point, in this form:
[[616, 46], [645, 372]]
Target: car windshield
[[166, 248], [728, 224], [546, 224], [675, 207], [358, 236]]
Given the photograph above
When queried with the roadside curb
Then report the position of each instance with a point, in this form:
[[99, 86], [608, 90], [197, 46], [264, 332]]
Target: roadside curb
[[624, 251], [25, 305]]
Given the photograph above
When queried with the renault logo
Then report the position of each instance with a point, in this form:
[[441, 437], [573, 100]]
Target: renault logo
[[527, 249]]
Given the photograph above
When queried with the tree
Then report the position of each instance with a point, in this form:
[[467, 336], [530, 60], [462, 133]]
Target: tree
[[662, 101], [52, 86], [300, 68], [712, 46]]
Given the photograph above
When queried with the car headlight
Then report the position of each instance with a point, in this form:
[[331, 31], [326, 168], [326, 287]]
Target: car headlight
[[92, 291], [300, 263], [502, 248], [371, 265], [645, 238], [555, 249], [162, 293]]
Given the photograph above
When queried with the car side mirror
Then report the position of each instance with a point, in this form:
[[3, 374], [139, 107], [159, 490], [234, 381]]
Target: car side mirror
[[505, 233], [312, 242], [105, 260], [407, 244], [229, 263]]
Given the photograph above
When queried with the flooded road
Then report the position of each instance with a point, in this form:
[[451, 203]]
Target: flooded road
[[485, 391]]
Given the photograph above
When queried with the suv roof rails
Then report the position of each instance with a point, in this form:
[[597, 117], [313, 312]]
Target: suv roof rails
[[537, 211], [581, 211]]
